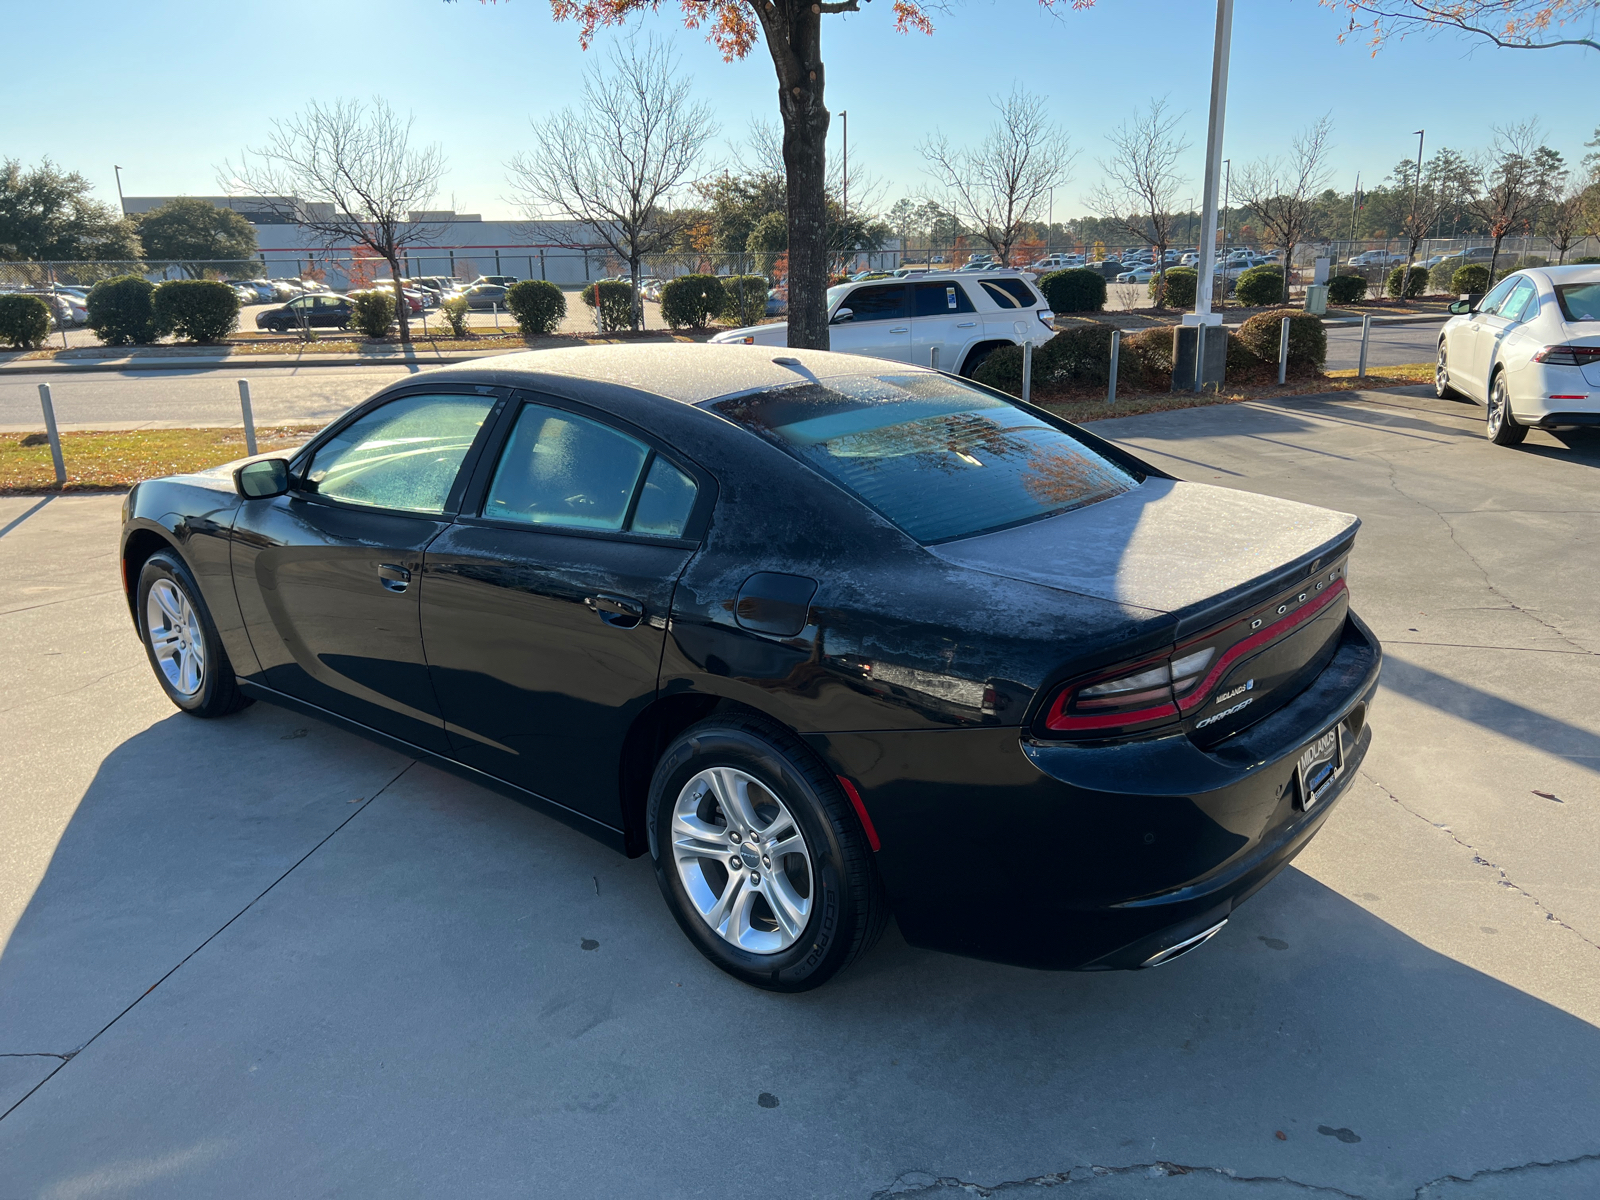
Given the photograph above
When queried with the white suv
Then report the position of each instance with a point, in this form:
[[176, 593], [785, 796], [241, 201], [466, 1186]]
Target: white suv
[[943, 319]]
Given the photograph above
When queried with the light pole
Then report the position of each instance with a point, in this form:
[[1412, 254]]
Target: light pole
[[844, 118], [1208, 224], [121, 203], [1416, 198]]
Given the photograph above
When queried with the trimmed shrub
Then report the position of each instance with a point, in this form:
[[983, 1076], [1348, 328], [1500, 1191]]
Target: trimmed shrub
[[1308, 340], [1346, 289], [373, 311], [691, 301], [537, 304], [1075, 290], [1146, 359], [1181, 285], [1415, 285], [747, 298], [1260, 286], [24, 321], [1474, 277], [122, 311], [1587, 258], [201, 310], [616, 304], [455, 310], [1078, 357], [1439, 278]]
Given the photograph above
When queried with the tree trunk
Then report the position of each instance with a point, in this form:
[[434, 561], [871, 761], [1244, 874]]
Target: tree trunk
[[402, 310], [1494, 255], [638, 300], [794, 36], [1288, 257]]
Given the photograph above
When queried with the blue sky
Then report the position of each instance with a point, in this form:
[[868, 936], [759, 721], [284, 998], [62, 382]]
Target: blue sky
[[170, 89]]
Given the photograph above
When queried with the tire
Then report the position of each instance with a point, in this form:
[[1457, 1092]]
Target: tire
[[1441, 377], [181, 641], [1501, 426], [975, 360], [827, 889]]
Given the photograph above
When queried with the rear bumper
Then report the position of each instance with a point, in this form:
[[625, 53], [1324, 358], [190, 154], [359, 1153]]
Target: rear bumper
[[1097, 858]]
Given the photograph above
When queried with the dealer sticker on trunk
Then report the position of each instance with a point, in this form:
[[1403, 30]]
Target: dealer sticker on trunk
[[1319, 766]]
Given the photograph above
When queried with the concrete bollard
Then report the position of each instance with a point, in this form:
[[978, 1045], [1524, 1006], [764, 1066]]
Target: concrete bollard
[[50, 431], [249, 417], [1283, 350], [1027, 371], [1366, 332], [1116, 350]]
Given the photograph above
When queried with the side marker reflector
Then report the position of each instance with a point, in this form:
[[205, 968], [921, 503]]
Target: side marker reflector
[[861, 811]]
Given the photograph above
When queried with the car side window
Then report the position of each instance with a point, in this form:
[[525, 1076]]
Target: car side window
[[876, 303], [665, 501], [1513, 306], [941, 299], [565, 470], [1493, 301], [997, 293], [404, 455]]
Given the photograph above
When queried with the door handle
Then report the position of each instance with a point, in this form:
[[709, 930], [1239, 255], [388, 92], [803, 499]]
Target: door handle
[[901, 329], [966, 325], [395, 578], [622, 611]]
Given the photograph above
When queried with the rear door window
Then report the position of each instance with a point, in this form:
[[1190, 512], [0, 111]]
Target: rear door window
[[1579, 301], [998, 294], [935, 456], [941, 299], [877, 303]]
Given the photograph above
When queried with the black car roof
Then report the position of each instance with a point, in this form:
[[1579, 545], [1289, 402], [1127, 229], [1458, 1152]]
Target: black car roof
[[686, 372]]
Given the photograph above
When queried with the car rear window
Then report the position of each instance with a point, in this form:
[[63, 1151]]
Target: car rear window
[[1579, 301], [937, 457]]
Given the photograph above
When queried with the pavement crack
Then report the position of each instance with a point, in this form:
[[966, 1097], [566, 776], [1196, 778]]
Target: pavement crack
[[211, 937], [1507, 601], [64, 600], [1499, 1172], [1504, 880], [39, 1054], [69, 691]]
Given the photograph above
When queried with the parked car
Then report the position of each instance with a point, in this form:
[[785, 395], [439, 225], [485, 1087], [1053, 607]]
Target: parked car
[[823, 636], [949, 319], [1140, 274], [311, 311], [415, 301], [485, 296], [777, 301], [1056, 262], [283, 290], [1108, 268], [1529, 352], [1375, 258], [505, 281]]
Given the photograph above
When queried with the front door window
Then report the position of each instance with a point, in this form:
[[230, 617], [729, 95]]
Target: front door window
[[403, 456]]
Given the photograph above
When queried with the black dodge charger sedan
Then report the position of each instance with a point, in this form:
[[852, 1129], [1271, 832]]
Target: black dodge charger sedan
[[827, 637]]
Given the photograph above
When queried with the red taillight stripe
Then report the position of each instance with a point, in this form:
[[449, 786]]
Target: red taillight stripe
[[1060, 720], [1260, 637], [861, 811]]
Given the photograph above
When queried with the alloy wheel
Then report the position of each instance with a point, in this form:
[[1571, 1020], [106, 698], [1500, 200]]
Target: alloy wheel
[[176, 638], [1441, 375], [1497, 407], [742, 860]]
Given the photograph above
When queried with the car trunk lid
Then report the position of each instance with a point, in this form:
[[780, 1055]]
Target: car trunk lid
[[1256, 580]]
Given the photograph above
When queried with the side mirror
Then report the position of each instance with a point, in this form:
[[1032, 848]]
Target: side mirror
[[843, 315], [261, 479], [1460, 307]]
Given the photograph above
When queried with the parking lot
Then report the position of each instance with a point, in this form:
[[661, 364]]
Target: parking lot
[[262, 957]]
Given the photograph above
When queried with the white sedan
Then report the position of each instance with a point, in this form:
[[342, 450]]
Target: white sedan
[[1142, 274], [1529, 352]]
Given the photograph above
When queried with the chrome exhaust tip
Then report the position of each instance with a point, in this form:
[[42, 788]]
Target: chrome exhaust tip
[[1183, 947]]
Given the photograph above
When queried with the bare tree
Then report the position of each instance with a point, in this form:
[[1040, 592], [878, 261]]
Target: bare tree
[[614, 165], [1516, 178], [1511, 24], [1283, 192], [1000, 186], [1142, 182], [1431, 193], [1564, 219], [348, 173]]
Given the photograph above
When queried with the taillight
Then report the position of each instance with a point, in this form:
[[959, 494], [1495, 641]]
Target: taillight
[[1048, 317], [1146, 694], [1568, 356]]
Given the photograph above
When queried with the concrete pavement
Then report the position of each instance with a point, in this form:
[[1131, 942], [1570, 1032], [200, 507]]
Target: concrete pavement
[[261, 957]]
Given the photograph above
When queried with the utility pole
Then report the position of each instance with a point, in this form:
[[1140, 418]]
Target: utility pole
[[1208, 224], [1227, 201], [844, 118], [121, 203]]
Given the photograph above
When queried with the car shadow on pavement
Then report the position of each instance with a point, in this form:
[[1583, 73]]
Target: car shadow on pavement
[[345, 974]]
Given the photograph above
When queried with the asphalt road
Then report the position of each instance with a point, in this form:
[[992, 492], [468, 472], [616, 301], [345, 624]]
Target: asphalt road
[[260, 957], [100, 400], [1388, 345]]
